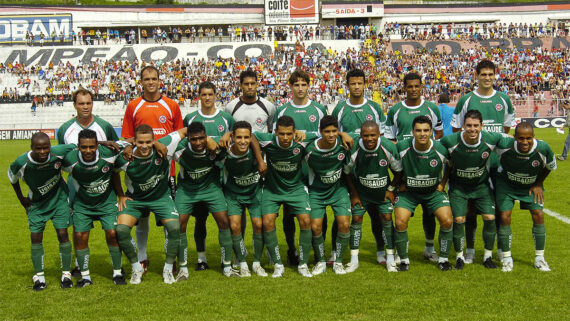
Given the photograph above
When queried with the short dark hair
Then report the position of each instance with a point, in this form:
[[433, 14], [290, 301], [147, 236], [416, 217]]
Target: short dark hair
[[248, 73], [327, 121], [81, 91], [149, 67], [422, 120], [38, 136], [411, 76], [523, 125], [206, 85], [475, 114], [485, 64], [196, 128], [242, 124], [443, 98], [86, 134], [297, 75], [285, 121], [355, 73], [369, 124], [144, 129]]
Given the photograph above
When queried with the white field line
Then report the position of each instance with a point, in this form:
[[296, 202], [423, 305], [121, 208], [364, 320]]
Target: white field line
[[557, 216]]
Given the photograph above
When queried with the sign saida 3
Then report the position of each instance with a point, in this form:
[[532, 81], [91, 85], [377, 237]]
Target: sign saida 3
[[13, 29], [291, 11]]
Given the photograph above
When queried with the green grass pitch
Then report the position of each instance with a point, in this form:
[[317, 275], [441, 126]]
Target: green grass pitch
[[368, 293]]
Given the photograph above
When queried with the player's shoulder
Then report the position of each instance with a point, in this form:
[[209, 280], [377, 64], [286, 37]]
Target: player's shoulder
[[463, 99], [231, 105], [374, 104], [395, 107], [225, 114], [134, 102], [431, 105], [266, 102], [66, 125], [102, 122], [169, 101], [542, 146], [404, 144], [439, 147], [21, 160], [190, 115], [319, 106], [388, 144], [452, 139]]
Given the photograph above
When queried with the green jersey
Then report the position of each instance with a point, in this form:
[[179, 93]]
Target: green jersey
[[422, 169], [369, 168], [401, 116], [283, 164], [241, 176], [43, 179], [497, 110], [146, 178], [92, 180], [197, 170], [350, 117], [470, 163], [306, 117], [216, 125], [68, 132], [326, 167], [521, 170]]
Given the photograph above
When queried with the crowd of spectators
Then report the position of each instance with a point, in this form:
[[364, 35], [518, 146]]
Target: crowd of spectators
[[523, 75]]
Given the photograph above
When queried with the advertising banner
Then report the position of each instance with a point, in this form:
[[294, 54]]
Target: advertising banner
[[15, 28], [13, 134], [278, 12]]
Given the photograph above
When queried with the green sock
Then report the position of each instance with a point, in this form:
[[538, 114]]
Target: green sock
[[341, 245], [116, 257], [458, 236], [272, 246], [126, 242], [65, 256], [489, 234], [257, 246], [401, 242], [388, 234], [505, 237], [172, 241], [83, 259], [38, 257], [319, 247], [355, 235], [239, 247], [471, 231], [305, 238], [183, 249], [225, 239], [445, 241], [539, 236]]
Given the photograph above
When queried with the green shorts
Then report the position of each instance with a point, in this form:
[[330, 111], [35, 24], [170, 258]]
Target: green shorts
[[339, 201], [480, 196], [237, 204], [84, 216], [297, 202], [163, 208], [383, 207], [507, 194], [431, 201], [41, 212], [212, 197]]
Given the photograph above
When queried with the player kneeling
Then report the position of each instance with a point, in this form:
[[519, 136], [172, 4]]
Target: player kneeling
[[146, 178], [40, 168], [524, 165]]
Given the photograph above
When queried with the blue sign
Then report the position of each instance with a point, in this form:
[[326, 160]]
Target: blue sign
[[27, 28]]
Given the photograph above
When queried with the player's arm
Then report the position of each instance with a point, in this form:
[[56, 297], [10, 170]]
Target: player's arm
[[354, 197], [256, 149], [446, 172], [116, 178], [24, 200], [395, 185], [438, 134], [347, 140], [536, 188]]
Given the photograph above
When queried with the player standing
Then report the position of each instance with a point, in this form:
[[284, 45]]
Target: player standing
[[524, 165], [422, 160], [399, 126], [498, 116], [40, 168], [164, 116]]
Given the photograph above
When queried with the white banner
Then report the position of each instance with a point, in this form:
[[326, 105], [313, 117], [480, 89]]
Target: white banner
[[280, 12]]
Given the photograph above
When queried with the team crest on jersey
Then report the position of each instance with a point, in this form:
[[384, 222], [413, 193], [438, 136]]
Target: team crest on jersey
[[383, 162], [158, 161], [340, 156], [499, 107], [105, 169], [433, 163], [296, 151], [313, 118], [221, 128], [535, 163], [57, 165], [162, 119], [368, 117], [259, 121], [485, 155]]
